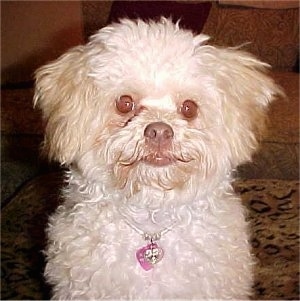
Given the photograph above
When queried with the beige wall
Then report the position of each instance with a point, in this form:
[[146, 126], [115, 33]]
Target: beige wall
[[34, 32]]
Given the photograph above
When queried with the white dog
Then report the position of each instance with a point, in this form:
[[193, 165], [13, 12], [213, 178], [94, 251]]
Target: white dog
[[151, 121]]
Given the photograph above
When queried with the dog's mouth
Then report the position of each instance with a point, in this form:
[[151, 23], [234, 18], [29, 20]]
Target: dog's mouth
[[157, 159]]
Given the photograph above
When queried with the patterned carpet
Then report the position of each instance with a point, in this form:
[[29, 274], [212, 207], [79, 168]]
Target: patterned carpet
[[273, 215]]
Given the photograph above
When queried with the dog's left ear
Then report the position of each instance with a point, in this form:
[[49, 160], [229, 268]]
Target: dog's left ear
[[245, 90], [64, 92]]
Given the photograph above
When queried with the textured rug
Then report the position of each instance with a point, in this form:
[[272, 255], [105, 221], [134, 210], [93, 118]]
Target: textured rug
[[272, 213]]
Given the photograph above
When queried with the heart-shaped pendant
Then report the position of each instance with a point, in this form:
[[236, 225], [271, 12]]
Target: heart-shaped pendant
[[149, 255]]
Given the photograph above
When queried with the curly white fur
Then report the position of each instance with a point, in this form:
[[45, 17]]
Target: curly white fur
[[113, 193]]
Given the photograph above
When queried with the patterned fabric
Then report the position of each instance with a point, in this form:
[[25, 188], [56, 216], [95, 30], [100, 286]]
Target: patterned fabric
[[273, 35], [272, 213], [273, 208]]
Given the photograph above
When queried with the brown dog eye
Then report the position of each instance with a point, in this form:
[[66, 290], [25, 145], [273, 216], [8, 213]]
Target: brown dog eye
[[125, 104], [189, 109]]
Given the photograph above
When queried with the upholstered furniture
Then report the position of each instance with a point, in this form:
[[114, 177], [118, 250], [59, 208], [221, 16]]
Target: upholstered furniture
[[273, 36]]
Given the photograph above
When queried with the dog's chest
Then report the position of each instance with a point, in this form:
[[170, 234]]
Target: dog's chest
[[112, 245], [131, 237]]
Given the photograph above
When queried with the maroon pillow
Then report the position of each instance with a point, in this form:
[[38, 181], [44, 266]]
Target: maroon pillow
[[192, 15]]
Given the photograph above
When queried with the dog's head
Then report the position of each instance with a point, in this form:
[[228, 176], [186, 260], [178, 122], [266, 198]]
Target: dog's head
[[152, 104]]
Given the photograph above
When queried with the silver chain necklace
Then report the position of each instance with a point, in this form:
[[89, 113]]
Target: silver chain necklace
[[152, 253]]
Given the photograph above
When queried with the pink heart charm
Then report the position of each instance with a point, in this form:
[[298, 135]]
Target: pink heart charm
[[149, 255]]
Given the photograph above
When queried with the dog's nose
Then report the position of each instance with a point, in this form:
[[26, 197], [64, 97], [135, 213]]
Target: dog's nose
[[159, 132]]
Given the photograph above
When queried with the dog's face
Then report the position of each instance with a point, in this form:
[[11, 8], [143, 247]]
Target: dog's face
[[152, 104]]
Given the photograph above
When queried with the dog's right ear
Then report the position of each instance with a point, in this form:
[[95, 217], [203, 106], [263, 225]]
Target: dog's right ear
[[63, 92]]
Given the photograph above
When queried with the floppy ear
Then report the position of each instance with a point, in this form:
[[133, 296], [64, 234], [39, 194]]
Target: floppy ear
[[246, 91], [63, 91]]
